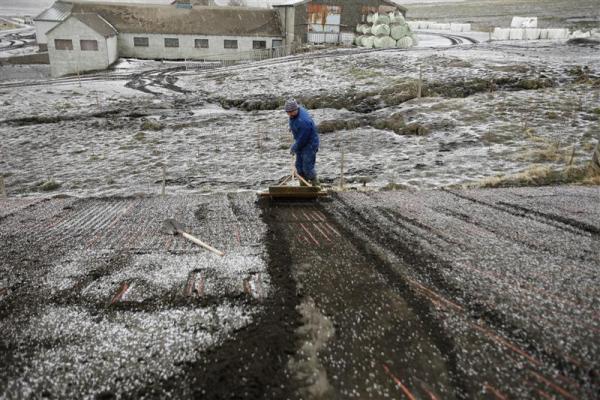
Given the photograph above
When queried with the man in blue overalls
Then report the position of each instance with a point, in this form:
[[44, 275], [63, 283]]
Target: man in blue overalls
[[306, 141]]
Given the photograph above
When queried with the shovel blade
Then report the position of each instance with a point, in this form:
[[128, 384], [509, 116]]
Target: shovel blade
[[172, 227]]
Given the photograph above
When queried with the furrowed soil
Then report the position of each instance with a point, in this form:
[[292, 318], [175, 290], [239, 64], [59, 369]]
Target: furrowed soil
[[436, 294]]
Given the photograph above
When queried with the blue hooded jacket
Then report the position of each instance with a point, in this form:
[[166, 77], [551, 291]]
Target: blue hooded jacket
[[305, 132]]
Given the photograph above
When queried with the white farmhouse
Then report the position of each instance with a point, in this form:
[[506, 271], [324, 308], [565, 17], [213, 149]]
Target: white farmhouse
[[154, 32], [82, 42]]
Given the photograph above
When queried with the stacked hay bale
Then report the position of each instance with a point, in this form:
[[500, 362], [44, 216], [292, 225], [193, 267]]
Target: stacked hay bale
[[384, 31]]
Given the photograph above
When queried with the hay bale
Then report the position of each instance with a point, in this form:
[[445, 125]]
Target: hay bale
[[368, 41], [396, 17], [398, 31], [382, 19], [405, 42], [384, 42], [380, 30]]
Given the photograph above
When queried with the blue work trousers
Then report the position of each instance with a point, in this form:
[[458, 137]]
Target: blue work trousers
[[305, 163]]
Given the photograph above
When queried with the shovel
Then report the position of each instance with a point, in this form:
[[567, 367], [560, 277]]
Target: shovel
[[173, 227]]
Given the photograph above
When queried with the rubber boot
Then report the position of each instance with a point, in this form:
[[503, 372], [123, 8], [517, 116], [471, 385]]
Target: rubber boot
[[315, 182]]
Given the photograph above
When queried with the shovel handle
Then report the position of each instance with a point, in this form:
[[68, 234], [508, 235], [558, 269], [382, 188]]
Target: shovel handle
[[201, 243]]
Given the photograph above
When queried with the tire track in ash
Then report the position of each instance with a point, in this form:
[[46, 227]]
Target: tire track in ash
[[380, 342]]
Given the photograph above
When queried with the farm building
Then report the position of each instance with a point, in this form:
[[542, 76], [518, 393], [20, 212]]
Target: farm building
[[82, 42], [187, 30], [328, 21]]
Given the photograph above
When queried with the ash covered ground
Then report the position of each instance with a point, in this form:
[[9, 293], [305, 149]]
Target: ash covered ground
[[432, 292], [489, 109]]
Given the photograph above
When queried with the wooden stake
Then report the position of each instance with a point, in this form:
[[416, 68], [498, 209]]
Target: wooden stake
[[2, 187], [342, 171], [164, 180], [420, 83]]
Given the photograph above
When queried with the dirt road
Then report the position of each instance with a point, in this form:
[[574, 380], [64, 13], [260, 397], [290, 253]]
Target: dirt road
[[431, 294]]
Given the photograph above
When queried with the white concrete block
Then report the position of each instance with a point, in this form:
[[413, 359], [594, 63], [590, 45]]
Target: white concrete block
[[532, 33], [524, 22], [558, 34], [501, 34], [517, 34]]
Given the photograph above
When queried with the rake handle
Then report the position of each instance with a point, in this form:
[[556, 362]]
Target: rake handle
[[201, 243]]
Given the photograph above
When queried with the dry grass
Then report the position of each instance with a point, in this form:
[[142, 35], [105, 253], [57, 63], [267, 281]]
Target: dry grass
[[538, 175]]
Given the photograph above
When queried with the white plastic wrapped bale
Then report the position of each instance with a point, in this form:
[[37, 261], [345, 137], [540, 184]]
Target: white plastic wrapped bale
[[358, 39], [558, 34], [384, 42], [366, 30], [398, 31], [524, 22], [444, 27], [396, 17], [370, 18], [380, 30], [532, 33], [543, 34], [517, 34], [382, 19], [501, 34], [359, 28], [595, 33], [367, 41], [405, 42]]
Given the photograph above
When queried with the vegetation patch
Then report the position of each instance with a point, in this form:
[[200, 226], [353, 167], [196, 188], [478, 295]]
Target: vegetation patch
[[151, 125], [49, 185], [332, 125], [538, 175]]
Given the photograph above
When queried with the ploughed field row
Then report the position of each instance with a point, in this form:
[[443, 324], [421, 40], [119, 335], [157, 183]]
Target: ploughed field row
[[431, 294]]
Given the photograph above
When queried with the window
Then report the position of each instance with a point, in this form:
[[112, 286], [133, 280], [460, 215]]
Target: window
[[88, 45], [231, 44], [171, 42], [140, 41], [201, 43], [277, 43], [63, 44], [259, 44]]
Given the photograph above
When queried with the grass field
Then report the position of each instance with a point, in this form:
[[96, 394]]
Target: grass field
[[580, 14]]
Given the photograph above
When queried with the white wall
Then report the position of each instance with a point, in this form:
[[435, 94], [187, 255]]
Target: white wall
[[156, 46], [65, 62], [112, 49], [41, 27]]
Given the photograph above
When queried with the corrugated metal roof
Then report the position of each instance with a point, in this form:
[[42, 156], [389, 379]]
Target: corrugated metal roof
[[58, 12], [97, 23], [226, 21]]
